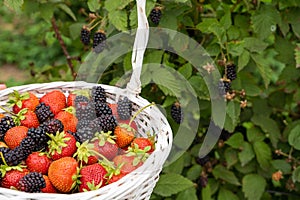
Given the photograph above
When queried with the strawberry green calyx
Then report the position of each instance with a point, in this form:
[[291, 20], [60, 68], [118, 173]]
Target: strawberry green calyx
[[70, 109], [83, 92], [5, 168], [92, 186], [84, 151], [15, 98], [104, 137], [57, 142], [140, 155], [20, 116]]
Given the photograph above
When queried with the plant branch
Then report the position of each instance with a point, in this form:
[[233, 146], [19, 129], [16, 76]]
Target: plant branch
[[63, 46]]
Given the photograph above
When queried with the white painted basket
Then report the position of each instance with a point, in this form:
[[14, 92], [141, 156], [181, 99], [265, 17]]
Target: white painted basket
[[139, 184]]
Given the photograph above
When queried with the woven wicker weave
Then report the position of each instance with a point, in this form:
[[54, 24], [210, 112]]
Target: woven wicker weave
[[139, 184]]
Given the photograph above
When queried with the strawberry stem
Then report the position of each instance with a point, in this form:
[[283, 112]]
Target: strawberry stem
[[139, 111], [3, 159], [103, 158], [7, 111]]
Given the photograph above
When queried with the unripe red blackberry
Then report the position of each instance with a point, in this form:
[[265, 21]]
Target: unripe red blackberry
[[155, 15], [231, 71], [85, 35]]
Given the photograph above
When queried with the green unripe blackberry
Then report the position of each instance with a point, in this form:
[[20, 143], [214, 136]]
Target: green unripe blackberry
[[85, 35], [155, 15]]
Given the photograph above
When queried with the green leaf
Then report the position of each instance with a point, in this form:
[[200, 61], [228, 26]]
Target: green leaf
[[253, 186], [247, 154], [189, 194], [222, 173], [235, 48], [265, 20], [169, 184], [254, 44], [296, 175], [225, 21], [235, 141], [233, 110], [263, 154], [294, 137], [282, 165], [254, 134], [297, 55], [186, 70], [285, 49], [269, 126], [193, 172], [225, 194], [75, 29], [93, 5], [176, 167], [119, 19], [16, 5], [231, 158], [67, 10], [206, 192], [47, 11], [263, 67]]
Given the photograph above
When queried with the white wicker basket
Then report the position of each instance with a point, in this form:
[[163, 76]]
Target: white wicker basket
[[139, 184]]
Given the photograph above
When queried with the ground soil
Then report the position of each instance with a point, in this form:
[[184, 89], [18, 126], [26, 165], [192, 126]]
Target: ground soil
[[12, 72]]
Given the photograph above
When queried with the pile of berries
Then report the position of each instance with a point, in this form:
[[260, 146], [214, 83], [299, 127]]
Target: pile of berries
[[68, 143]]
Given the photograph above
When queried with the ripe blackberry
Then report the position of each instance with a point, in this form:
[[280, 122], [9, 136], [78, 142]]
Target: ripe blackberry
[[155, 15], [43, 112], [231, 71], [98, 94], [32, 182], [124, 108], [4, 151], [104, 123], [52, 126], [6, 123], [84, 134], [102, 109], [85, 111], [203, 161], [224, 86], [85, 35], [99, 41], [39, 136], [21, 152], [176, 113], [80, 99], [83, 123]]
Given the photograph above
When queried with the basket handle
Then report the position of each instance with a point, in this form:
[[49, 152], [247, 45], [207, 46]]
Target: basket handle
[[139, 47]]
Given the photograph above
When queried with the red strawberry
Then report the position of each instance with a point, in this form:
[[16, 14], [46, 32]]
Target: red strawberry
[[142, 143], [124, 135], [1, 115], [92, 177], [115, 178], [15, 135], [70, 99], [113, 107], [127, 163], [12, 177], [55, 99], [20, 101], [127, 121], [49, 187], [38, 162], [61, 145], [28, 118], [62, 174], [68, 119], [105, 145]]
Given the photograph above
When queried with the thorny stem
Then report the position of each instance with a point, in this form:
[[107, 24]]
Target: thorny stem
[[289, 156], [63, 46]]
